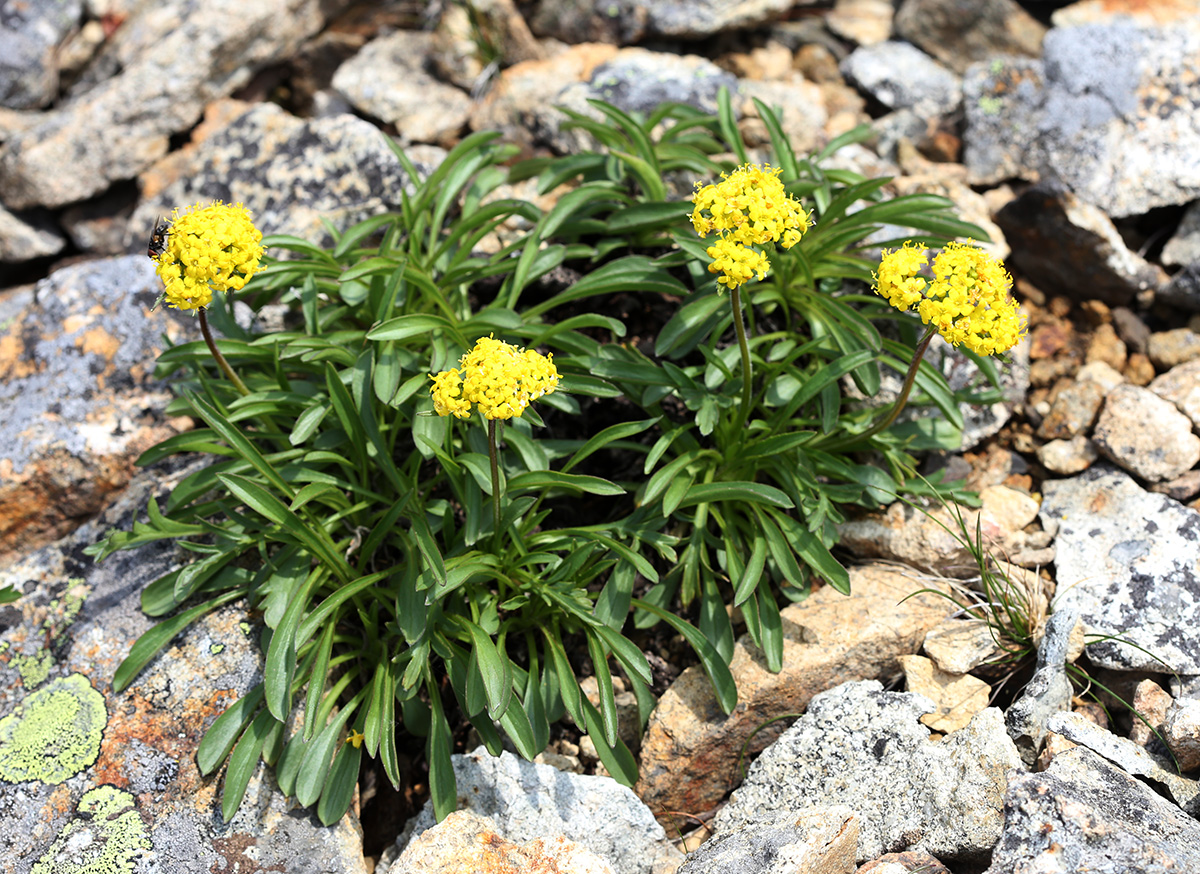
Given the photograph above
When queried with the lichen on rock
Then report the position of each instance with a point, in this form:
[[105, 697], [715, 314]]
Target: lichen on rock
[[107, 836], [54, 733]]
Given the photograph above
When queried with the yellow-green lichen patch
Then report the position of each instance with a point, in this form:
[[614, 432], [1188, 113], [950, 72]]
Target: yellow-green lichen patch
[[54, 733], [34, 669], [107, 837], [216, 649]]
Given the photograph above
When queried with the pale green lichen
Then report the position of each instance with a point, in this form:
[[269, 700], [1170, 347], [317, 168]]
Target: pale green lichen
[[34, 669], [54, 733], [108, 836], [216, 649]]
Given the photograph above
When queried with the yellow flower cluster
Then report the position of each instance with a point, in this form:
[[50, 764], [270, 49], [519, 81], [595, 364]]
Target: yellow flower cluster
[[497, 377], [748, 207], [967, 301], [212, 247]]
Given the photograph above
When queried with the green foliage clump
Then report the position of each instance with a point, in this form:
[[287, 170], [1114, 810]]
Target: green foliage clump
[[409, 568]]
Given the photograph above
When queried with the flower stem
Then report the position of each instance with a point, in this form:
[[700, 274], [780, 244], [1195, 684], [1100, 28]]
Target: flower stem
[[220, 359], [492, 457], [744, 347], [901, 400]]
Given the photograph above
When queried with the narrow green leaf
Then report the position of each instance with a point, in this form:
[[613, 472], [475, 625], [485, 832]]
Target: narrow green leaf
[[550, 479], [443, 791], [243, 763], [760, 493], [224, 732], [147, 646], [745, 585], [281, 653], [494, 669], [710, 660], [338, 792], [620, 431]]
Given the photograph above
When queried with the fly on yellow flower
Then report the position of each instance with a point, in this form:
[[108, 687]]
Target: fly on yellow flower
[[748, 207], [967, 301], [211, 247], [498, 378]]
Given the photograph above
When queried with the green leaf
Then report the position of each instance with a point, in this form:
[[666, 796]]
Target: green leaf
[[243, 763], [310, 779], [416, 325], [224, 732], [494, 669], [147, 646], [442, 788], [338, 792], [710, 660], [281, 653], [760, 493], [745, 585], [539, 480]]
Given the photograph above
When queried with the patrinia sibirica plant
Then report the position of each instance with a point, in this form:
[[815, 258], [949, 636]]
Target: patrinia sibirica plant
[[449, 487]]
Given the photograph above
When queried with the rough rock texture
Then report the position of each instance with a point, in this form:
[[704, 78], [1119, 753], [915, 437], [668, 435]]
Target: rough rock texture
[[901, 76], [1109, 109], [467, 843], [957, 32], [958, 646], [79, 397], [1139, 761], [171, 63], [827, 639], [1127, 559], [1151, 701], [865, 748], [289, 172], [822, 840], [1048, 691], [1065, 245], [956, 697], [529, 801], [1181, 731], [1083, 814], [27, 236], [386, 80], [1169, 349], [111, 779], [1145, 434], [30, 37], [1181, 386]]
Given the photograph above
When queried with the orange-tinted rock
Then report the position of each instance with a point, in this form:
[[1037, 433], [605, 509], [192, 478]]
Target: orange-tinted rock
[[690, 752]]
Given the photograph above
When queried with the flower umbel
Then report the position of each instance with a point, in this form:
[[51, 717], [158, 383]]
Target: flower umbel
[[748, 207], [967, 301], [212, 247], [497, 377]]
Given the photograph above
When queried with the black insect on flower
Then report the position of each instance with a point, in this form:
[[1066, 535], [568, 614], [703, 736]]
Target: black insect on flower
[[158, 240]]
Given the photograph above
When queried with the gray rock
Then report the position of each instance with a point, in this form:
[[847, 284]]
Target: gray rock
[[1048, 691], [704, 17], [1131, 757], [1127, 559], [959, 32], [1073, 412], [1181, 731], [865, 748], [529, 801], [80, 400], [1066, 457], [387, 80], [901, 76], [1083, 814], [822, 840], [1065, 245], [30, 34], [154, 79], [290, 173], [619, 22], [1145, 434], [1108, 110], [637, 80], [1168, 349], [1184, 246], [1181, 386], [28, 236], [135, 802]]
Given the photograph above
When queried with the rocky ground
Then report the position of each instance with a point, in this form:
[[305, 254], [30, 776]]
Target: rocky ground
[[1072, 133]]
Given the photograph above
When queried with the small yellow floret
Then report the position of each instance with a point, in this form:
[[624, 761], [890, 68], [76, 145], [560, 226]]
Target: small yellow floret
[[214, 247], [967, 302], [736, 262], [355, 738], [497, 377]]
